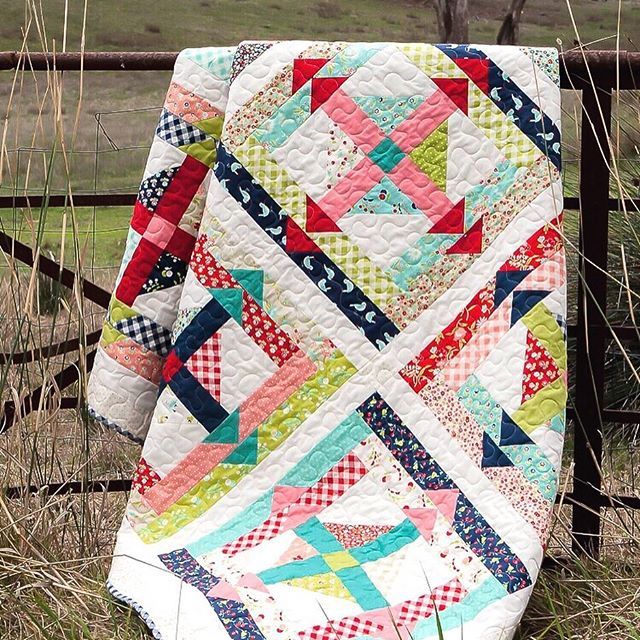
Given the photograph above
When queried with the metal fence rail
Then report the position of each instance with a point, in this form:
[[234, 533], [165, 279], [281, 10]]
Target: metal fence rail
[[596, 74]]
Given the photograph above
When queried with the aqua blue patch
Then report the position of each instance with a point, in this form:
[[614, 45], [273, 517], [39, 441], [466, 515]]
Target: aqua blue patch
[[327, 452], [231, 300], [347, 61], [388, 111], [387, 154], [216, 60], [387, 543], [314, 532], [275, 131], [384, 199], [252, 280], [292, 570], [359, 585]]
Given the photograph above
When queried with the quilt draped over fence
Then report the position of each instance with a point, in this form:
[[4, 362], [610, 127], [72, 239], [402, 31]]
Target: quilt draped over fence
[[339, 332]]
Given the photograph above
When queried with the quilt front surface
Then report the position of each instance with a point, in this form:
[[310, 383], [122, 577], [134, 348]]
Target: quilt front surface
[[339, 330]]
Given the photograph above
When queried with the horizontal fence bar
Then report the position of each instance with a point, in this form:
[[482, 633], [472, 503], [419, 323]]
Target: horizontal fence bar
[[90, 61], [126, 199], [114, 485], [42, 395], [52, 269], [59, 200], [35, 355], [615, 204], [58, 488], [577, 68]]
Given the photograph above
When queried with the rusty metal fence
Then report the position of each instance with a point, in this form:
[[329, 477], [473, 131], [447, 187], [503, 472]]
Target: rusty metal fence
[[596, 75]]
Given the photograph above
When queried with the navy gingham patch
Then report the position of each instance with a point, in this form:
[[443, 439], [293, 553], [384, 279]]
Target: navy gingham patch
[[176, 131], [147, 333]]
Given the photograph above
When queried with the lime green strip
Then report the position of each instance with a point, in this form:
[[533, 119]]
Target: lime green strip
[[333, 373], [204, 151], [110, 335], [120, 311], [211, 126], [546, 404]]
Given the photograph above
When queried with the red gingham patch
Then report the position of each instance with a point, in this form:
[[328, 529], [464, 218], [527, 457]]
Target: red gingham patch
[[204, 364], [268, 529], [340, 478], [346, 628], [441, 597], [144, 477], [343, 476]]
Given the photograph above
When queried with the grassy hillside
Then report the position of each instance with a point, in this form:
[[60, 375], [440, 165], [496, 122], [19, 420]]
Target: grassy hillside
[[173, 24]]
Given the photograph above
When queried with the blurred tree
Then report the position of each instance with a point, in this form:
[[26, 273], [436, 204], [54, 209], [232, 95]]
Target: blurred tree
[[509, 32], [453, 20]]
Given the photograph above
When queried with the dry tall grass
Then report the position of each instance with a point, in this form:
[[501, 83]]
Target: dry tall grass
[[54, 549]]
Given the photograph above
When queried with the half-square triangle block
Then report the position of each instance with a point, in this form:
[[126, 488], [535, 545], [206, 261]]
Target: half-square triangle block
[[304, 69]]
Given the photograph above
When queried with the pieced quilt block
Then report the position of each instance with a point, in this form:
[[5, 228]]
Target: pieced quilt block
[[339, 331]]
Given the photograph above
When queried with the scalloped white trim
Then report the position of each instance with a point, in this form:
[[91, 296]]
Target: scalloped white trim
[[113, 426], [136, 607]]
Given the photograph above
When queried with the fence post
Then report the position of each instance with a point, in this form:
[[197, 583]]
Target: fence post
[[592, 304]]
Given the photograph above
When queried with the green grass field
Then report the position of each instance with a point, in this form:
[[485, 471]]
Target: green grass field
[[111, 156], [170, 25]]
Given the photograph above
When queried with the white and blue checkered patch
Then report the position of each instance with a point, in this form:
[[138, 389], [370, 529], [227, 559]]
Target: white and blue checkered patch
[[176, 131], [146, 333]]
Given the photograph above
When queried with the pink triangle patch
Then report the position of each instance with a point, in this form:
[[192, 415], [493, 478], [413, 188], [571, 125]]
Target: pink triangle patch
[[298, 550], [251, 581], [423, 518], [445, 500], [224, 590]]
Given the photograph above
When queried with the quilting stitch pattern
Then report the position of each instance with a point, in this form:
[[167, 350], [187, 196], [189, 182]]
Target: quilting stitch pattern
[[339, 330]]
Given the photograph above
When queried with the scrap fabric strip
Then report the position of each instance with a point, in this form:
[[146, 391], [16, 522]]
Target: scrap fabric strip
[[339, 331]]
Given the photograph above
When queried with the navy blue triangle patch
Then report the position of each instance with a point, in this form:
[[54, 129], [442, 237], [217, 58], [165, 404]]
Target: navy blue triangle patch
[[524, 301], [506, 282], [511, 433], [492, 455]]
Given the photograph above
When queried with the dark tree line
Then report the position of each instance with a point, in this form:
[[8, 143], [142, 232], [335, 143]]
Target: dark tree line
[[453, 21]]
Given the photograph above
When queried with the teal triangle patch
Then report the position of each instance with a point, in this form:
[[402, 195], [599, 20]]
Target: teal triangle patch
[[227, 432], [384, 198], [253, 282], [388, 111], [231, 300], [246, 452], [217, 60]]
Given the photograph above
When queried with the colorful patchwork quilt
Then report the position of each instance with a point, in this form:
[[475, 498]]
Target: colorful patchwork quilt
[[339, 332]]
